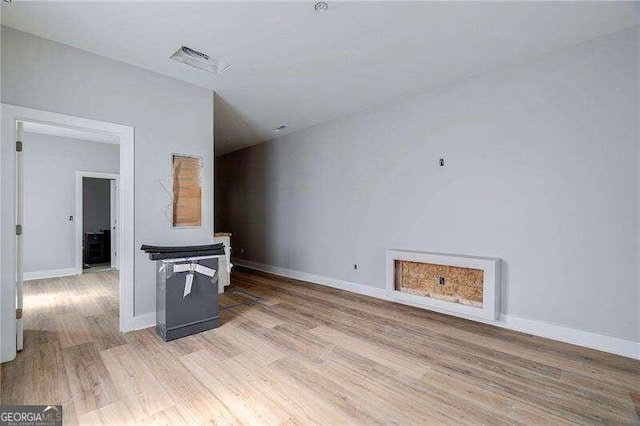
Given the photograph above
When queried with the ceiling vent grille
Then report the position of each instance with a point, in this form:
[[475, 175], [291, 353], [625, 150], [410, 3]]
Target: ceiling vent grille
[[200, 60]]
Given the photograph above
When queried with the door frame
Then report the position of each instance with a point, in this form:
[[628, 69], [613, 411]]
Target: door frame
[[113, 221], [80, 174], [10, 116]]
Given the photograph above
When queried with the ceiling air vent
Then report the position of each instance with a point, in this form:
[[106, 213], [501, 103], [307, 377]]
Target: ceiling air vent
[[200, 60]]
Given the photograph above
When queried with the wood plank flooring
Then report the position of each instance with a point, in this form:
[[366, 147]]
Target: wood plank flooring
[[306, 354]]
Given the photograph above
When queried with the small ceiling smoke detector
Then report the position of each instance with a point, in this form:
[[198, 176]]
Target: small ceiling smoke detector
[[200, 60], [280, 128], [321, 6]]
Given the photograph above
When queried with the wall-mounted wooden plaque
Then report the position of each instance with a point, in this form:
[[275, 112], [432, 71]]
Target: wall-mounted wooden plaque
[[187, 191]]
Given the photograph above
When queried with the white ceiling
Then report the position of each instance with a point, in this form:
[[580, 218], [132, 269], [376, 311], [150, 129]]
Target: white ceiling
[[294, 66]]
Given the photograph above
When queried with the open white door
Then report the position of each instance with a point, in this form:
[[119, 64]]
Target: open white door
[[19, 221], [114, 223]]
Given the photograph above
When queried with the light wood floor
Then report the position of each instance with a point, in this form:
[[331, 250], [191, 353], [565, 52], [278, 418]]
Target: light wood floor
[[306, 354]]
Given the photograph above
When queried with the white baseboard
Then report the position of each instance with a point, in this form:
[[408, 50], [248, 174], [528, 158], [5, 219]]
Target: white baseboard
[[139, 322], [587, 339], [54, 273], [366, 290], [560, 333]]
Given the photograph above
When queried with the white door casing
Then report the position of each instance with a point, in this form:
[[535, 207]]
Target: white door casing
[[113, 215], [10, 116], [19, 220]]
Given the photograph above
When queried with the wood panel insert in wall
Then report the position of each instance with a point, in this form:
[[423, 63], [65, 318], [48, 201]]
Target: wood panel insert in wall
[[450, 283], [187, 191]]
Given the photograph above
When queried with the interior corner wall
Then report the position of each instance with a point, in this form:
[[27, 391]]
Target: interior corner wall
[[50, 165], [169, 116], [541, 170]]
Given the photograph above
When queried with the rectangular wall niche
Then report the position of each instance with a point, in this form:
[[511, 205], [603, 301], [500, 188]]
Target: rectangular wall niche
[[460, 285], [187, 191]]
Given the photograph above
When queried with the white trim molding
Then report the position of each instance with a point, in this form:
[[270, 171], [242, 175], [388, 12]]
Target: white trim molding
[[11, 115], [587, 339], [53, 273], [560, 333], [490, 308], [143, 321], [366, 290]]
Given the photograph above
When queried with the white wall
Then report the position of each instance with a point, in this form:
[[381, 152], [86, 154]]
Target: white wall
[[50, 165], [541, 171], [168, 116]]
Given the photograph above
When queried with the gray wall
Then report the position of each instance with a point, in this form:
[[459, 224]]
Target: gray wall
[[50, 165], [168, 116], [541, 171], [96, 200]]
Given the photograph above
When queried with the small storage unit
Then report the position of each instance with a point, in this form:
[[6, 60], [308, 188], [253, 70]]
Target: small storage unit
[[97, 247], [186, 289]]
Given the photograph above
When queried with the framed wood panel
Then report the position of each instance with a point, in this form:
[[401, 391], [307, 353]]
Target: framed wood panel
[[451, 283], [467, 286], [187, 191]]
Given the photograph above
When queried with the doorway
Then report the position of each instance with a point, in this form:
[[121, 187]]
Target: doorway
[[14, 120], [96, 221], [55, 301]]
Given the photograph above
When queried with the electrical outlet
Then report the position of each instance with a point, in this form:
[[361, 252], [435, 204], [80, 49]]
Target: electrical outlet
[[441, 281]]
